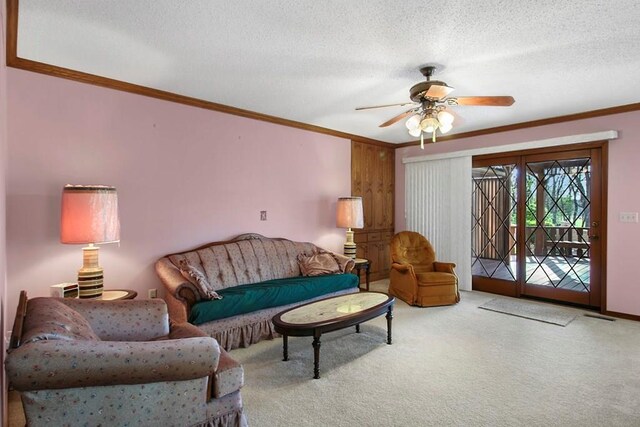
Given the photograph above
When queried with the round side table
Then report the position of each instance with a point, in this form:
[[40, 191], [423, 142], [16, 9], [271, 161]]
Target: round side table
[[117, 294], [363, 264]]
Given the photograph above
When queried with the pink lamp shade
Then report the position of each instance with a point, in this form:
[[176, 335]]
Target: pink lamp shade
[[349, 212], [89, 214]]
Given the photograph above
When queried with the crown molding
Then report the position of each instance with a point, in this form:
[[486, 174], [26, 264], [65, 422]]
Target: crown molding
[[14, 61], [534, 123]]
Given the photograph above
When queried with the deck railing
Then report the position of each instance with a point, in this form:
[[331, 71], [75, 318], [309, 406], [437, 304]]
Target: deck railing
[[558, 240], [552, 240]]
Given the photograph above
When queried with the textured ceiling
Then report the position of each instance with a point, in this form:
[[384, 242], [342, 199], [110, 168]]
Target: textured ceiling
[[315, 61]]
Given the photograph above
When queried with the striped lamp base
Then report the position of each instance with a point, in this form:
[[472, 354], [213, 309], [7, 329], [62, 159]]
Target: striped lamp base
[[91, 275]]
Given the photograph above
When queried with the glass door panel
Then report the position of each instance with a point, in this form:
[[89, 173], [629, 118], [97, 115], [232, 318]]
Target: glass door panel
[[494, 231], [558, 222]]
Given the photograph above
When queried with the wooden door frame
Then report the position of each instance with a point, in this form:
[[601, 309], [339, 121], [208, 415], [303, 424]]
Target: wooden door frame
[[507, 157]]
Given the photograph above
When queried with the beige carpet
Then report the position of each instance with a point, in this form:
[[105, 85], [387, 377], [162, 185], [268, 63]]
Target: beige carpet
[[533, 310], [448, 366], [451, 366]]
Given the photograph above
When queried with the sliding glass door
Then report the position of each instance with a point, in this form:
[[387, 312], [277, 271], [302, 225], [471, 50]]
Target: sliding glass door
[[493, 227], [536, 225]]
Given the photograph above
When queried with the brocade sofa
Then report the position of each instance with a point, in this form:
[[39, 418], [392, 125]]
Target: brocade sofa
[[89, 362], [255, 278]]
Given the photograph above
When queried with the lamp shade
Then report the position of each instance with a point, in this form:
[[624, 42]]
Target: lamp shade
[[349, 212], [89, 214]]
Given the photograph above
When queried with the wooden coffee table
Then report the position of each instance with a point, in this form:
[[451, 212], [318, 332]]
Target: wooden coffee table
[[331, 314]]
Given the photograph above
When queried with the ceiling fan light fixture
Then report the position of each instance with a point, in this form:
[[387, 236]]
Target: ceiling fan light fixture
[[413, 123], [445, 117], [429, 124]]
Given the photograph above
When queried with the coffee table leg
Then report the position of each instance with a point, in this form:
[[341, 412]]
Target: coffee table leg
[[285, 347], [358, 328], [367, 273], [316, 357], [389, 318]]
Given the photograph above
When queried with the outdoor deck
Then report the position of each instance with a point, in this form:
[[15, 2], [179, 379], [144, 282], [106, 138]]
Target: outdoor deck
[[555, 271]]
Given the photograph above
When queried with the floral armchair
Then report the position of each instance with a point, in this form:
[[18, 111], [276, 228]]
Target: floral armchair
[[88, 362]]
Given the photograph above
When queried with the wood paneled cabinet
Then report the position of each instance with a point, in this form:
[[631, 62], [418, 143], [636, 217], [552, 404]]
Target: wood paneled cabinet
[[373, 178]]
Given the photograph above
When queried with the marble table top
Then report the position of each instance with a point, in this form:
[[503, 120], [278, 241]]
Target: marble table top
[[333, 308]]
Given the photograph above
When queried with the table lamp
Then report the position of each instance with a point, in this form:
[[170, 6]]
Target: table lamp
[[349, 215], [89, 216]]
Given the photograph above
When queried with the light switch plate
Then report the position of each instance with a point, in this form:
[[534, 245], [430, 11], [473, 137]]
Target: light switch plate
[[628, 216]]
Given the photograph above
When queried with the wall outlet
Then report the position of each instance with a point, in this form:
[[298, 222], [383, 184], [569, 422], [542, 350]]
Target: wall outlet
[[263, 215], [153, 293], [628, 217]]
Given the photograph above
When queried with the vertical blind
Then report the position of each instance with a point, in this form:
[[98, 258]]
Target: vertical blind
[[438, 206]]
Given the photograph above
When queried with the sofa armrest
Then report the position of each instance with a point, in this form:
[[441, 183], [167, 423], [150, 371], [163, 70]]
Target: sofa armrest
[[56, 364], [181, 294], [444, 267], [128, 320]]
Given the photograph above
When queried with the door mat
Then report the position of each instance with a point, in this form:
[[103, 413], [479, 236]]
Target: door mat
[[528, 310]]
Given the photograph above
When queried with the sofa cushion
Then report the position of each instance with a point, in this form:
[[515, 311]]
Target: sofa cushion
[[229, 376], [195, 276], [252, 260], [51, 319], [273, 293], [435, 279], [318, 264]]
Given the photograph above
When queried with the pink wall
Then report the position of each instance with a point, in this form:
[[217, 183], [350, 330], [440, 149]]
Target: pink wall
[[623, 287], [3, 168], [185, 176]]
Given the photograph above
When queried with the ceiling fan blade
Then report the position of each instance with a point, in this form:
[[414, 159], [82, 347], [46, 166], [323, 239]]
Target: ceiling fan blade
[[496, 101], [383, 106], [398, 118]]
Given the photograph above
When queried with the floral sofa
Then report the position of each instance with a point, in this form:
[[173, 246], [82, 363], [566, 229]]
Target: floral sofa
[[83, 362], [232, 289]]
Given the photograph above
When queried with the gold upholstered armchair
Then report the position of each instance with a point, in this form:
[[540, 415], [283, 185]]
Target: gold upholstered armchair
[[416, 277]]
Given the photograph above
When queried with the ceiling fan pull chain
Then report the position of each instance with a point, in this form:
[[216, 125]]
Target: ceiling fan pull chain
[[433, 136], [422, 140]]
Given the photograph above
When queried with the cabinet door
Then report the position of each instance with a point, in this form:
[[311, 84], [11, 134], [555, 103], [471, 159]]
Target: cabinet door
[[362, 250], [373, 255], [370, 177], [357, 166], [378, 188], [388, 185], [385, 257]]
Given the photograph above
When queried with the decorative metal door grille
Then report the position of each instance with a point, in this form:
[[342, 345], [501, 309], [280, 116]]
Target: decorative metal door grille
[[557, 198], [495, 199]]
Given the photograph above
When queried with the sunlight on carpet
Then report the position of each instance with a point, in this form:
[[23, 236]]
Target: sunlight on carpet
[[531, 310]]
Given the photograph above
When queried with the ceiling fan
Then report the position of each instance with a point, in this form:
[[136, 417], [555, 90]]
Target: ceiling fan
[[430, 101]]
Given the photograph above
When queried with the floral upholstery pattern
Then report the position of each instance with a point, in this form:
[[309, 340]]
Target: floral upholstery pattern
[[62, 408], [246, 261], [249, 258], [198, 279], [127, 320], [229, 376], [86, 381], [50, 319]]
